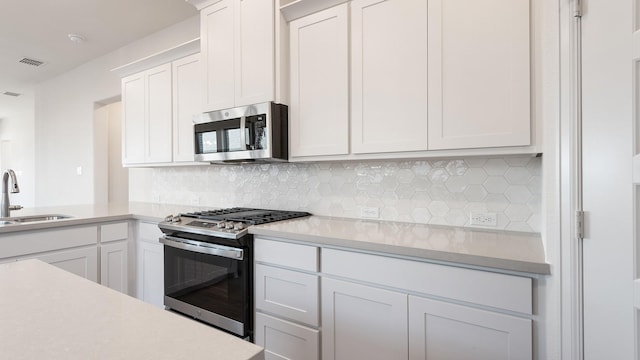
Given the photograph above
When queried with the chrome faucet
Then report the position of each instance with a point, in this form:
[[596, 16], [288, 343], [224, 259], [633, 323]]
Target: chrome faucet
[[5, 207]]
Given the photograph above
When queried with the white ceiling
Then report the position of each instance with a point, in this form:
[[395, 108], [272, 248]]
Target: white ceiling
[[38, 29]]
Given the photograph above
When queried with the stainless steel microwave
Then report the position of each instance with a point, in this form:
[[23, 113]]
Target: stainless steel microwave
[[246, 134]]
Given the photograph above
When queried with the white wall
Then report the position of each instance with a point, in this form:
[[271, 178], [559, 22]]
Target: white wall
[[64, 110], [17, 150]]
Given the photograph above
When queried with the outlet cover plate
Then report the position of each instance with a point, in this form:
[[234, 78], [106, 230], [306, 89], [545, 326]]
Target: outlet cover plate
[[483, 219]]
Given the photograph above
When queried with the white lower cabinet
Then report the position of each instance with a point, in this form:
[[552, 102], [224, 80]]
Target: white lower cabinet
[[362, 322], [114, 255], [82, 262], [287, 288], [383, 307], [149, 265], [286, 340], [113, 266], [98, 252], [440, 330]]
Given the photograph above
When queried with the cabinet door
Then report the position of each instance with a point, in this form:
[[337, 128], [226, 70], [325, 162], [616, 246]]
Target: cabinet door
[[439, 330], [479, 71], [254, 51], [389, 75], [150, 273], [133, 119], [216, 44], [159, 115], [285, 340], [113, 266], [319, 109], [187, 102], [362, 322], [82, 262]]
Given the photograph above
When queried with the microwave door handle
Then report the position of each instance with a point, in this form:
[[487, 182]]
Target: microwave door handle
[[243, 135], [203, 248]]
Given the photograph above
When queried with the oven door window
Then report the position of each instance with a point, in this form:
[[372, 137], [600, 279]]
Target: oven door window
[[209, 282]]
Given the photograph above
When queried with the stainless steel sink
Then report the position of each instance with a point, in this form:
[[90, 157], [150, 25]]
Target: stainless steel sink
[[48, 217], [14, 220]]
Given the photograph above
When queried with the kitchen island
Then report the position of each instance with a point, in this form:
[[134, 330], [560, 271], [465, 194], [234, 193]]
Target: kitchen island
[[48, 313]]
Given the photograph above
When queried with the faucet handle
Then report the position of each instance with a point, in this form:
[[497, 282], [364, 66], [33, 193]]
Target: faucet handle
[[15, 207]]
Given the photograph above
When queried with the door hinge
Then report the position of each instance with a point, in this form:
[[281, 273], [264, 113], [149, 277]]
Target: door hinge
[[577, 8], [580, 224]]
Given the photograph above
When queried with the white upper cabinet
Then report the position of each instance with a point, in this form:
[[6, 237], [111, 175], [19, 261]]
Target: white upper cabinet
[[319, 107], [159, 114], [187, 102], [158, 106], [254, 51], [216, 44], [422, 75], [237, 45], [479, 73], [133, 115], [146, 116], [389, 75]]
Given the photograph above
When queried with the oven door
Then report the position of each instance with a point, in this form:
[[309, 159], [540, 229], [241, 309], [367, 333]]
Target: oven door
[[209, 282]]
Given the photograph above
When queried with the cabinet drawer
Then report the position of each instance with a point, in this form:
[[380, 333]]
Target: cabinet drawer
[[280, 253], [114, 232], [287, 293], [47, 240], [501, 291], [285, 340]]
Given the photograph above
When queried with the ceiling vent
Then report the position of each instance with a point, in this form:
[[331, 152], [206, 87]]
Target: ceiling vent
[[9, 93], [32, 62]]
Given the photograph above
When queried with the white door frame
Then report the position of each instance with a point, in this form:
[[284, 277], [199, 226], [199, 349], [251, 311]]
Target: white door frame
[[594, 307], [571, 249]]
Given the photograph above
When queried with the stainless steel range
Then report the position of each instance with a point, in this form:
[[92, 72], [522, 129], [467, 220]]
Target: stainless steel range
[[208, 264]]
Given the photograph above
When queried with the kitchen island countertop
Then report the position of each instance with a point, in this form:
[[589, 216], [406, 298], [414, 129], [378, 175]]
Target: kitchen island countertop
[[48, 313]]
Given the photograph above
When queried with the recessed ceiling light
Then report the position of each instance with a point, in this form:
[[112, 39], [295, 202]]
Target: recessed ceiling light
[[76, 38]]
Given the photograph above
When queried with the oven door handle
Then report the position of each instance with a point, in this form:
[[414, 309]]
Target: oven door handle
[[203, 248]]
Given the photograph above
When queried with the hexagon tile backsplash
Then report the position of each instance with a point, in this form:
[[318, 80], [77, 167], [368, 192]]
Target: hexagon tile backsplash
[[442, 192]]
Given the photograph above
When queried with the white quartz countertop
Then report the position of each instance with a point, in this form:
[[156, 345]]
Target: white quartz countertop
[[86, 214], [48, 313], [502, 250], [513, 251]]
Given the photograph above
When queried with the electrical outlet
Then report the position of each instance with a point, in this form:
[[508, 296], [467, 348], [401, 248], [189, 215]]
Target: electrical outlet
[[195, 201], [483, 219], [156, 198], [369, 212]]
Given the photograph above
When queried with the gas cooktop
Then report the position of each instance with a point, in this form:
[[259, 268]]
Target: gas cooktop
[[229, 223], [247, 215]]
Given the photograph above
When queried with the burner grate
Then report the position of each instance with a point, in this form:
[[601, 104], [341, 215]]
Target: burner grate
[[247, 215]]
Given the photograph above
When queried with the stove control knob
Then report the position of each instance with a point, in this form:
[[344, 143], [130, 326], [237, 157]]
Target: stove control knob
[[238, 226], [220, 225], [172, 219], [229, 226]]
